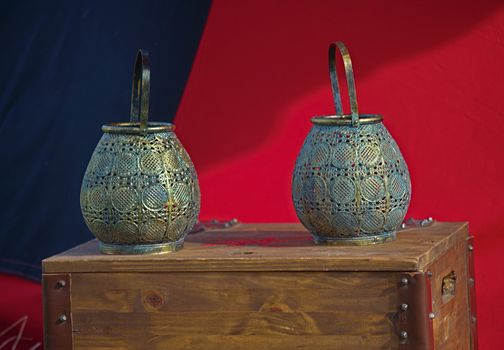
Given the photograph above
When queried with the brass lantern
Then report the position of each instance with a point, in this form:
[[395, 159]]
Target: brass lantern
[[140, 192], [351, 185]]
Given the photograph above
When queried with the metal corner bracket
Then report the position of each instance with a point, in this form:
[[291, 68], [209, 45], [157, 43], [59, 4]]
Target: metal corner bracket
[[57, 311], [414, 311]]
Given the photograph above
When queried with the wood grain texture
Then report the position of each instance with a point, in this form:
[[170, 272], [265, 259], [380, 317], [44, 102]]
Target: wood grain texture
[[451, 325], [267, 286], [235, 310], [269, 247]]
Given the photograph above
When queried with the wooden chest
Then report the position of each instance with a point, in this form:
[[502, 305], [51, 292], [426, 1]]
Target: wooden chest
[[267, 286]]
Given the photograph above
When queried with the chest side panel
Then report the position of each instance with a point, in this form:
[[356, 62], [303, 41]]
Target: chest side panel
[[235, 310], [450, 298]]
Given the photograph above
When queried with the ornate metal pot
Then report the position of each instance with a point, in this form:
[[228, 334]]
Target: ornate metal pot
[[351, 185], [140, 192]]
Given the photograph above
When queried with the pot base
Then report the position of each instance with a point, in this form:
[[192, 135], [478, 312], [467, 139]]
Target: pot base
[[362, 240], [137, 249]]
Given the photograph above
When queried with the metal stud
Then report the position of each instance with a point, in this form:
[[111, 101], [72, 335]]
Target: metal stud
[[473, 319], [404, 281], [404, 307], [470, 247], [403, 225], [62, 318], [429, 273], [403, 335], [471, 282], [432, 315], [61, 284]]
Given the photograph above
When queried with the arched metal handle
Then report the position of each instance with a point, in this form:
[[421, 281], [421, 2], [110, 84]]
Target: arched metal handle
[[140, 90], [349, 77]]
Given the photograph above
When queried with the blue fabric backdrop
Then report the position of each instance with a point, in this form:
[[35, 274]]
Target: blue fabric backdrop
[[65, 69]]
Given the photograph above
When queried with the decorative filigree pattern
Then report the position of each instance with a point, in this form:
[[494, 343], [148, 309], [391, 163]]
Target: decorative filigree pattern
[[350, 182], [140, 189]]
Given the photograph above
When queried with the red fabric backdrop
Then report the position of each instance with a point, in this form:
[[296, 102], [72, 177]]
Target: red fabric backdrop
[[432, 68]]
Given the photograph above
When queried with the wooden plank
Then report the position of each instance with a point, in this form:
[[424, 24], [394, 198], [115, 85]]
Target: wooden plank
[[232, 291], [234, 310], [269, 247], [236, 342], [451, 323]]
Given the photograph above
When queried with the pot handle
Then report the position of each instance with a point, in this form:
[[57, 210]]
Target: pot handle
[[140, 90], [349, 78]]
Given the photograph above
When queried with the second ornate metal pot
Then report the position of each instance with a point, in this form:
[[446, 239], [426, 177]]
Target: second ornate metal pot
[[351, 185], [140, 192]]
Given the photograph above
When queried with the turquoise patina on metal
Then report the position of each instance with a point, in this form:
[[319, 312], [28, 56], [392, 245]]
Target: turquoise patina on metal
[[140, 192], [351, 185]]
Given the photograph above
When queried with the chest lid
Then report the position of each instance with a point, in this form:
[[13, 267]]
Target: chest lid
[[270, 247]]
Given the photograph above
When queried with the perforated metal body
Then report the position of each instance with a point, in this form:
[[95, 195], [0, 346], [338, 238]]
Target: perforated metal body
[[140, 190], [351, 184]]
